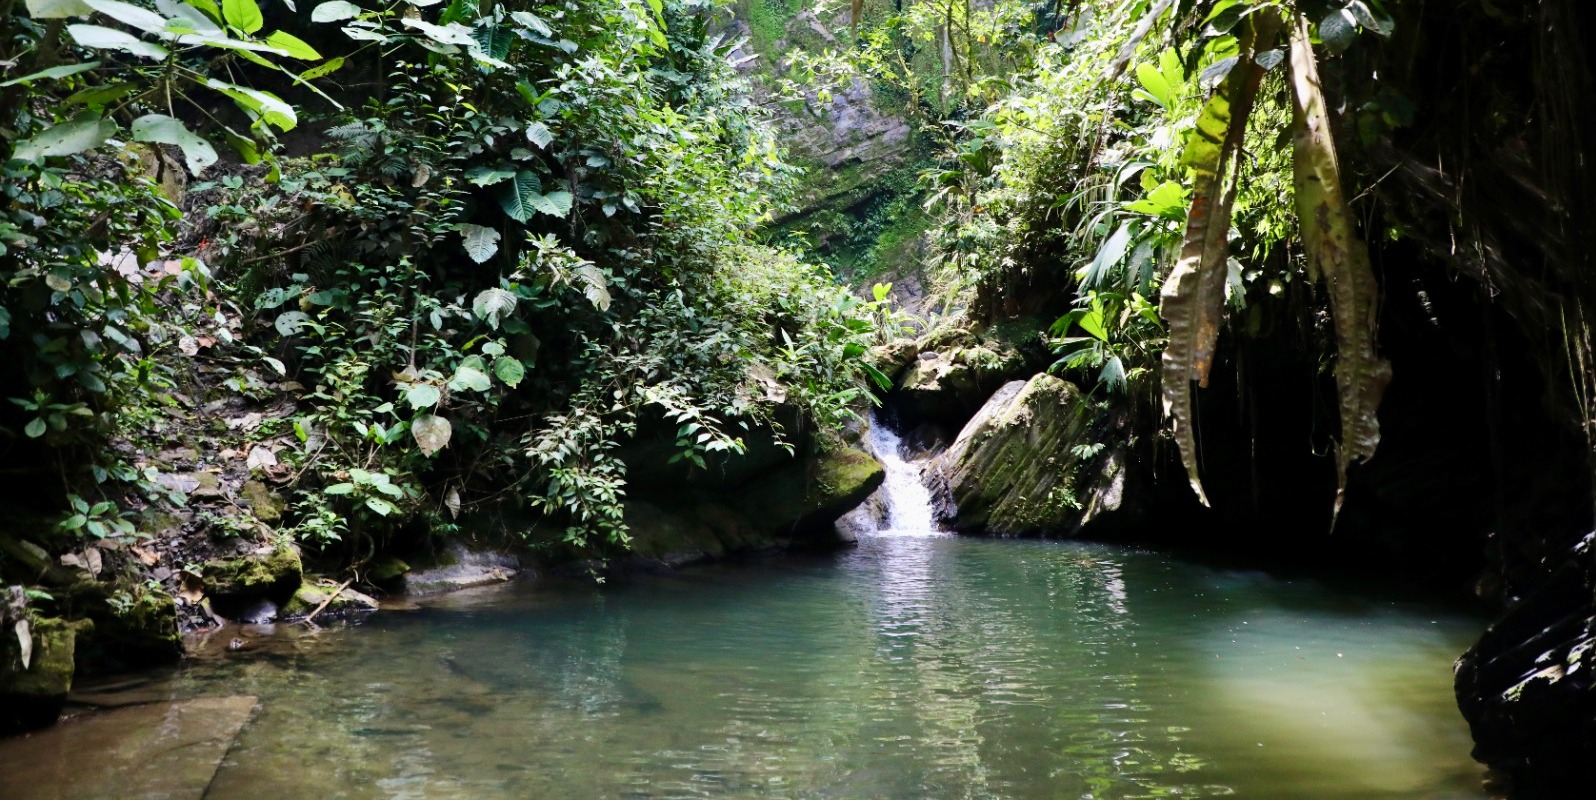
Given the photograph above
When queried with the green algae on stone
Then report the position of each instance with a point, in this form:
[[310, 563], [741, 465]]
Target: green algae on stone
[[310, 596], [267, 504], [33, 697], [272, 574]]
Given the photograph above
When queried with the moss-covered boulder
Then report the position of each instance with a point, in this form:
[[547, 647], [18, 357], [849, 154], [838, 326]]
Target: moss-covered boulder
[[947, 386], [805, 501], [342, 605], [1016, 468], [273, 573], [33, 697], [267, 504]]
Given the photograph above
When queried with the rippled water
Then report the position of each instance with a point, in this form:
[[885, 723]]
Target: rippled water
[[915, 666]]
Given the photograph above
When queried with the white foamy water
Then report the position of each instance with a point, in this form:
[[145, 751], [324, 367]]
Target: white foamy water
[[904, 493]]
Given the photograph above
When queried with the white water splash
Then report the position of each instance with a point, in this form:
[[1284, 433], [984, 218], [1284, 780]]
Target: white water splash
[[904, 494]]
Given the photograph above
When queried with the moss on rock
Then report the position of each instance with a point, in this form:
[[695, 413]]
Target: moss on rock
[[310, 596], [275, 573], [1013, 469], [33, 697]]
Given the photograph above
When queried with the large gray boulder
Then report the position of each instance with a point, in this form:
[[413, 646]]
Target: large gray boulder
[[1026, 465]]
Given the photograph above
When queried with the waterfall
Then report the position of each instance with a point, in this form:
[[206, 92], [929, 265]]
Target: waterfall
[[905, 502]]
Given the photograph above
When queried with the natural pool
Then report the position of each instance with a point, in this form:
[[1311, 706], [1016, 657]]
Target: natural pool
[[914, 666]]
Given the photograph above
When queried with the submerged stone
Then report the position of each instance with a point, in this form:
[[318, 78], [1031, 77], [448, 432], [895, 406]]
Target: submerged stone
[[159, 750]]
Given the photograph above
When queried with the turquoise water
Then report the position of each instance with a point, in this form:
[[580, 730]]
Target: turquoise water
[[910, 667]]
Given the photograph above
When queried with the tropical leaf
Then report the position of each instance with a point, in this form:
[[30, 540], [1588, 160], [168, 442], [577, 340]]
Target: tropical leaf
[[334, 11], [266, 105], [57, 9], [65, 139], [243, 15], [99, 37], [1193, 296], [53, 73], [431, 433], [509, 371], [555, 204], [481, 242], [516, 196], [595, 285], [293, 46], [492, 306], [161, 129], [539, 134], [1336, 253], [130, 15], [422, 395]]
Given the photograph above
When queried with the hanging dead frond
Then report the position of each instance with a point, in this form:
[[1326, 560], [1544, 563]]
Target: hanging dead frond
[[1192, 301], [1341, 257]]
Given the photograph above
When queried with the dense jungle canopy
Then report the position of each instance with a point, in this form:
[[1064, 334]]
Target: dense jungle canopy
[[415, 270]]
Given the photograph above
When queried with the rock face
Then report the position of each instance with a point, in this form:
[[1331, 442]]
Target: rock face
[[345, 604], [1528, 687], [1014, 469], [948, 381], [795, 506], [33, 697], [272, 574], [462, 568]]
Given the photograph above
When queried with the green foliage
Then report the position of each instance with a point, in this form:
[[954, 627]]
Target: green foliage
[[537, 234]]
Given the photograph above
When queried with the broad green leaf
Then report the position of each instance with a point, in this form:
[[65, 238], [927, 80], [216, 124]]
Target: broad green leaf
[[539, 134], [130, 15], [516, 196], [35, 428], [493, 306], [323, 69], [97, 97], [66, 139], [293, 46], [431, 433], [243, 15], [100, 37], [181, 13], [208, 7], [487, 176], [509, 371], [452, 34], [555, 204], [57, 9], [334, 11], [381, 506], [422, 395], [268, 106], [1338, 30], [1167, 200], [53, 73], [364, 35], [470, 379], [1153, 81], [339, 489], [1108, 256], [595, 286], [197, 153], [481, 242], [291, 322]]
